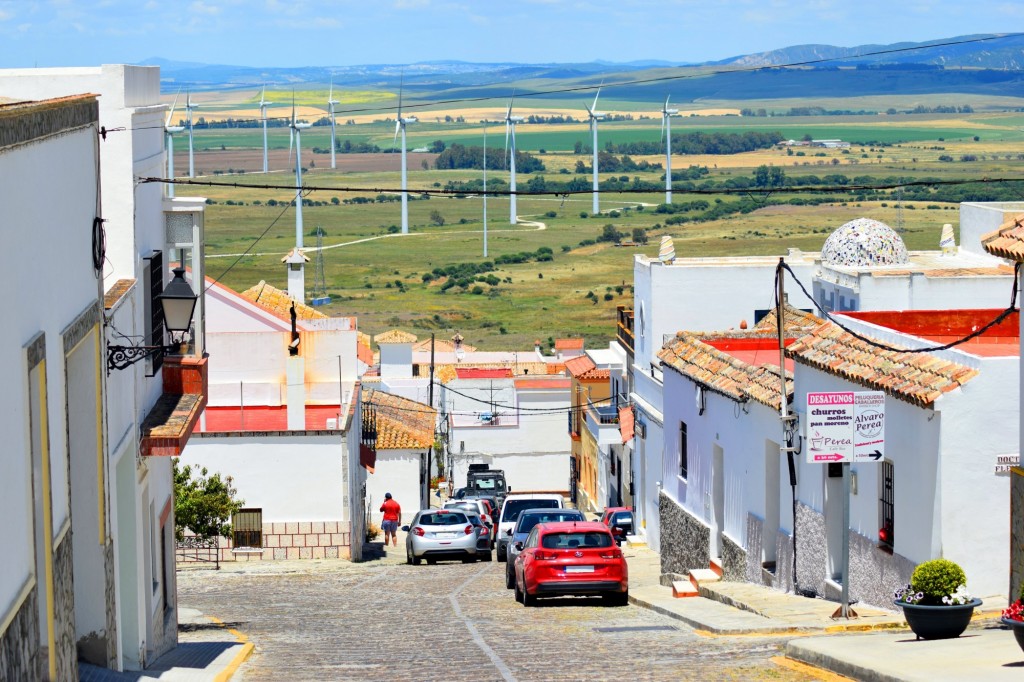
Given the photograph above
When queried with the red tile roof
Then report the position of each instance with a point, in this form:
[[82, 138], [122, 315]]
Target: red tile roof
[[918, 378], [279, 303], [402, 424], [569, 344], [1007, 241], [552, 383], [483, 372], [579, 365], [723, 373]]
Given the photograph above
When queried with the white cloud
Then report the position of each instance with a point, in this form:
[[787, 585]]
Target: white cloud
[[411, 4], [201, 7], [5, 15]]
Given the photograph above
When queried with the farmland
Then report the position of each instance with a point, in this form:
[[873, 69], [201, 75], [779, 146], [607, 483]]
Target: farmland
[[386, 279]]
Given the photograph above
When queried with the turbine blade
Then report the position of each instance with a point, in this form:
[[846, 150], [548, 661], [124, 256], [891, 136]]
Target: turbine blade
[[508, 125], [594, 108], [398, 124], [330, 96], [401, 83], [666, 103], [663, 128], [170, 114], [263, 97]]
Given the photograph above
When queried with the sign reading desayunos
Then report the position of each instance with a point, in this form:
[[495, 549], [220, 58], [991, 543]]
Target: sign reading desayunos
[[845, 426]]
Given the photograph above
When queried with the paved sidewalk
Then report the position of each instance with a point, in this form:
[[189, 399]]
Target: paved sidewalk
[[207, 651]]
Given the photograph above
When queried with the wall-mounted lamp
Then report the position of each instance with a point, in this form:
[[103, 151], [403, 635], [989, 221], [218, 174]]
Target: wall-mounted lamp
[[178, 302]]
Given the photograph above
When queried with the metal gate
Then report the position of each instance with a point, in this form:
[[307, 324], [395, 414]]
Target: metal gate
[[573, 476]]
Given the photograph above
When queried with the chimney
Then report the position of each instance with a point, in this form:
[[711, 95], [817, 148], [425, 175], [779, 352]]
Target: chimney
[[296, 263], [296, 392]]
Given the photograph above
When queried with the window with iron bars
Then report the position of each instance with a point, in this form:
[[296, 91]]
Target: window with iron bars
[[887, 531], [247, 528]]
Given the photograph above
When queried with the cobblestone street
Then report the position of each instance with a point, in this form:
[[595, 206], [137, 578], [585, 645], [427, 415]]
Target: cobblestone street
[[384, 620]]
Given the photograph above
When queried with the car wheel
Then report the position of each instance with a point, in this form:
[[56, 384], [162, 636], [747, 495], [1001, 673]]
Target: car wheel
[[501, 554], [528, 599], [518, 593], [408, 556], [616, 599], [431, 562], [510, 577], [468, 559]]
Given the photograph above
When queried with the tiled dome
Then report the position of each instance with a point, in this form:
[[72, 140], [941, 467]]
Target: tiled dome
[[864, 242]]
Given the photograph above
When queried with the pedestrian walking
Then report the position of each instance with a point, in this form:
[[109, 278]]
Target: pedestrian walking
[[392, 515]]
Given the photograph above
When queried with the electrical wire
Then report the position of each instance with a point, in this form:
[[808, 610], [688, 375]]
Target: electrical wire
[[251, 246], [726, 191], [927, 349], [638, 81]]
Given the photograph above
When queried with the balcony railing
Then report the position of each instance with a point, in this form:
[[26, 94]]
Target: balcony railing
[[624, 328]]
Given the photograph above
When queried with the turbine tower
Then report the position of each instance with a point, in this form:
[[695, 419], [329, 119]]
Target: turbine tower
[[169, 131], [595, 116], [263, 116], [510, 129], [296, 259], [330, 111], [188, 118], [485, 193], [400, 124], [666, 136]]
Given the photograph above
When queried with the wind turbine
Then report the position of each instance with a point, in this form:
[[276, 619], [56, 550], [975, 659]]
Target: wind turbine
[[296, 259], [169, 131], [188, 118], [595, 116], [330, 111], [400, 124], [510, 129], [666, 135], [263, 115]]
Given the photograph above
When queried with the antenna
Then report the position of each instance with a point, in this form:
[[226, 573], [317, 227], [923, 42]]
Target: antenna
[[900, 226], [169, 131], [666, 136], [188, 118], [263, 115], [510, 131], [330, 110], [320, 296], [595, 116]]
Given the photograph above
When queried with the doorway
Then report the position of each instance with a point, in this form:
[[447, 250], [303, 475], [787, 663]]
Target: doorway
[[772, 493]]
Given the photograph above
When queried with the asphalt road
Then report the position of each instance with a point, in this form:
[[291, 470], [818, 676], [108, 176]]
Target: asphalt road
[[384, 620]]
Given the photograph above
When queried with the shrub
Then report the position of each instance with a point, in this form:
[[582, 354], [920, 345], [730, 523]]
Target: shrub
[[566, 248], [478, 290], [584, 214], [608, 297], [372, 531], [936, 579], [550, 214]]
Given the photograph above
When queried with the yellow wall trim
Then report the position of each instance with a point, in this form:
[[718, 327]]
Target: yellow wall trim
[[23, 593]]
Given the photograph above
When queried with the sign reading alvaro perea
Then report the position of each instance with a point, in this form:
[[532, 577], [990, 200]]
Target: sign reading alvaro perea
[[845, 426]]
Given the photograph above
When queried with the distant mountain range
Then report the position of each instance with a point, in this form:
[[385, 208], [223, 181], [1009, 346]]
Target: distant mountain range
[[982, 64]]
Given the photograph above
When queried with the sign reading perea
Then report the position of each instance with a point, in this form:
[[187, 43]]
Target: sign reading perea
[[845, 426]]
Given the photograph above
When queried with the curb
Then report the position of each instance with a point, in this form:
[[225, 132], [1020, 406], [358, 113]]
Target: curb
[[247, 648], [710, 630], [833, 665]]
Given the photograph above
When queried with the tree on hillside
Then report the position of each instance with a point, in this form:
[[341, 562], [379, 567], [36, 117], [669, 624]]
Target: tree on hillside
[[203, 504]]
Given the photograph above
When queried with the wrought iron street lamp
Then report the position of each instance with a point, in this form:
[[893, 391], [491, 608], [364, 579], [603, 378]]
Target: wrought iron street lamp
[[178, 302]]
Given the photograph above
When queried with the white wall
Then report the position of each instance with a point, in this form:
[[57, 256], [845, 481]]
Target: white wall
[[978, 218], [396, 472], [524, 471], [395, 360], [292, 478]]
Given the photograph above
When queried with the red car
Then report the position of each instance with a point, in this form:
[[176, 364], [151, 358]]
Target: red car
[[620, 521], [571, 558]]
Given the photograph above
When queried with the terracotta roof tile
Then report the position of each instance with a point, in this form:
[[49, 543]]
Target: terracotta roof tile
[[917, 378], [542, 382], [279, 303], [569, 344], [447, 372], [394, 336], [579, 365], [795, 319], [116, 292], [1007, 241], [483, 372], [720, 372], [441, 346], [402, 424]]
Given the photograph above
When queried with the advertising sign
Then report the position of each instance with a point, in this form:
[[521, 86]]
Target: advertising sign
[[830, 427], [869, 426]]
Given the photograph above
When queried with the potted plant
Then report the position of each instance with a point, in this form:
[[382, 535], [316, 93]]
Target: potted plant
[[936, 603], [1013, 616]]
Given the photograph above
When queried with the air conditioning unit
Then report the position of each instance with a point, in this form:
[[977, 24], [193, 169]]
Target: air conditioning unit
[[332, 424]]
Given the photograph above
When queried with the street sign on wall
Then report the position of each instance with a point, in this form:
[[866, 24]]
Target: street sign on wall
[[845, 426]]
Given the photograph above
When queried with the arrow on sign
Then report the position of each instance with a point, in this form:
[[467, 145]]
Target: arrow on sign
[[829, 458], [876, 455]]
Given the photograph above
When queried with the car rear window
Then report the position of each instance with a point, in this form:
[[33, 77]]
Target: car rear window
[[485, 483], [573, 540], [623, 518], [443, 519], [528, 521], [511, 510]]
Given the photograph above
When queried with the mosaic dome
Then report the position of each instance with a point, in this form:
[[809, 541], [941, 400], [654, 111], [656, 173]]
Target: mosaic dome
[[864, 242]]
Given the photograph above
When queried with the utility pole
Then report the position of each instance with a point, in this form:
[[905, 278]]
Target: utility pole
[[431, 389], [485, 191], [786, 419]]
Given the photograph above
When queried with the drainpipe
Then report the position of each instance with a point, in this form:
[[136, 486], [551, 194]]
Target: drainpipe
[[786, 419]]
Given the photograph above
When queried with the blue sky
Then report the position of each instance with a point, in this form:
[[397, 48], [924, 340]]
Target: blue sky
[[285, 33]]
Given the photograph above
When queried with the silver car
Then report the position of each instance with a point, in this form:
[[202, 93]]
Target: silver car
[[441, 534], [528, 518]]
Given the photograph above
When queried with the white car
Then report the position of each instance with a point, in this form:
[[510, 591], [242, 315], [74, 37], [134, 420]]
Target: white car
[[510, 514], [477, 507]]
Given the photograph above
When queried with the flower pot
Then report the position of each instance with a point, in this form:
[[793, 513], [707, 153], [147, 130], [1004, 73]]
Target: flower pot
[[938, 622], [1018, 630]]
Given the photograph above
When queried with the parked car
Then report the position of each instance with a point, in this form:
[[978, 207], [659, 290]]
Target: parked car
[[483, 537], [620, 521], [479, 508], [510, 514], [573, 558], [440, 534], [528, 518]]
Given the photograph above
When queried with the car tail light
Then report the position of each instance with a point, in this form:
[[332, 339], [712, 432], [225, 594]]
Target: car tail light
[[611, 554], [469, 529], [542, 555], [418, 531]]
